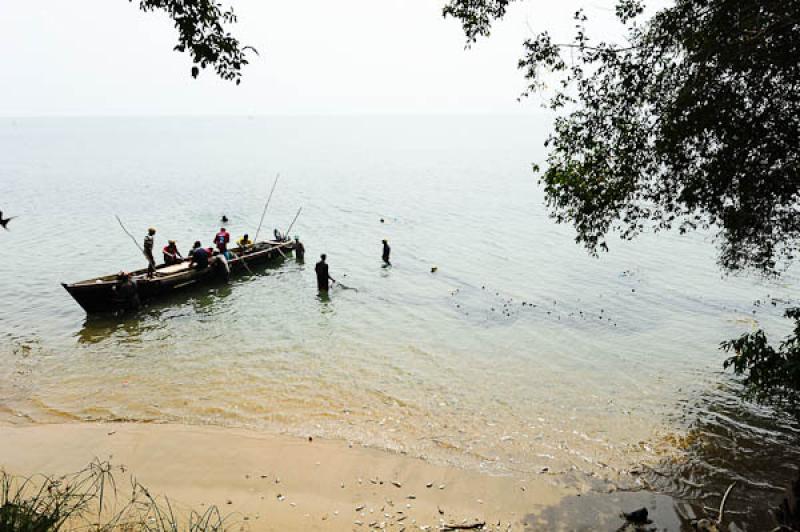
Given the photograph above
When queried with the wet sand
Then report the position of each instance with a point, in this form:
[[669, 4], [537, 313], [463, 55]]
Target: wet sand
[[270, 482], [279, 483]]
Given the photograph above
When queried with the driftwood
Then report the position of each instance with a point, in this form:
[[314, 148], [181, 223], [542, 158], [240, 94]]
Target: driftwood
[[722, 504], [713, 525], [470, 526]]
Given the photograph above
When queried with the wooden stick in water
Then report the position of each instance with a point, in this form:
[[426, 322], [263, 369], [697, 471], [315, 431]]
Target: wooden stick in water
[[722, 504]]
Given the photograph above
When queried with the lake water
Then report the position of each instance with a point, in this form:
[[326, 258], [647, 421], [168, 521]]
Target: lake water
[[521, 352]]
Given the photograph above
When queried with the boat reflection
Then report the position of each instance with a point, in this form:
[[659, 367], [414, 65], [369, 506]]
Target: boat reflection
[[127, 327]]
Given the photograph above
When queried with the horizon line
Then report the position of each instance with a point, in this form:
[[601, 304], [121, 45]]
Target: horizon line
[[289, 114]]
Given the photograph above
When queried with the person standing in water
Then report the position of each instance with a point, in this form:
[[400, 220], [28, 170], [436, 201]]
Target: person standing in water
[[149, 241], [322, 274], [299, 250], [126, 292], [221, 240], [386, 252]]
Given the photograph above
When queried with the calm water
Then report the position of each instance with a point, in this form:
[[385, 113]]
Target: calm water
[[520, 352]]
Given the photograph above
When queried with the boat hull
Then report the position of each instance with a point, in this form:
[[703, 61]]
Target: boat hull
[[100, 295]]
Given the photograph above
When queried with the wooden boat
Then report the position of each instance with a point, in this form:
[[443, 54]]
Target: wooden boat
[[101, 295]]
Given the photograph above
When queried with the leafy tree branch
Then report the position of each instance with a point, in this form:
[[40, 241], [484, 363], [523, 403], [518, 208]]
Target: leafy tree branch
[[201, 32], [693, 124], [772, 375]]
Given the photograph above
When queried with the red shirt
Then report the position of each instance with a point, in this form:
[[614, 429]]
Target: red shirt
[[222, 239]]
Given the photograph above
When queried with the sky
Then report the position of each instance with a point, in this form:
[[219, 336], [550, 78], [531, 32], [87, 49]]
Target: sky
[[106, 58]]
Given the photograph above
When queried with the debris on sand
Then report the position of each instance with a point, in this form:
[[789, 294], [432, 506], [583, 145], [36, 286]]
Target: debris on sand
[[477, 525]]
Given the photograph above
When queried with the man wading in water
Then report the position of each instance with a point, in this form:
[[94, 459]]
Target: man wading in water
[[322, 274], [386, 252]]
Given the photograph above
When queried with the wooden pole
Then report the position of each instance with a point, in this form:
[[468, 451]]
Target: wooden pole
[[130, 235], [286, 234], [255, 240]]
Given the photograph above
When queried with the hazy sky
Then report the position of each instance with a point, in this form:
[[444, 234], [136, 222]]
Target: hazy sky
[[104, 57]]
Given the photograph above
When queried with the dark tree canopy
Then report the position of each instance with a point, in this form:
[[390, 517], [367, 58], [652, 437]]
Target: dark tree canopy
[[694, 122], [201, 32]]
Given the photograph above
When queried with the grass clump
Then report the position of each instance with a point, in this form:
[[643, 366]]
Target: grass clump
[[90, 500]]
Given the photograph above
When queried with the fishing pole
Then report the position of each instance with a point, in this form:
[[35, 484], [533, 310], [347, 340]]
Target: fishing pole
[[264, 212]]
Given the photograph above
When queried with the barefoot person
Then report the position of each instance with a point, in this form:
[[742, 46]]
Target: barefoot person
[[149, 240], [322, 274]]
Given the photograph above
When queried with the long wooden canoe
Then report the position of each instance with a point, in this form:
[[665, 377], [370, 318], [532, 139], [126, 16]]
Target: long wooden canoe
[[100, 294]]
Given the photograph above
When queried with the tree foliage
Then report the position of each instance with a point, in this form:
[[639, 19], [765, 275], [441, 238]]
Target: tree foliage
[[201, 32], [771, 375], [693, 123]]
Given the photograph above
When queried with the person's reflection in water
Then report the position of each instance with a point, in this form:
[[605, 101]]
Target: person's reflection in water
[[128, 328]]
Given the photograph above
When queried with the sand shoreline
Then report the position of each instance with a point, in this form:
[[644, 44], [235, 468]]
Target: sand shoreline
[[273, 482]]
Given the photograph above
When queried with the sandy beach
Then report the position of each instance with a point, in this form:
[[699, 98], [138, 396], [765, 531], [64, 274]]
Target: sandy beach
[[269, 482]]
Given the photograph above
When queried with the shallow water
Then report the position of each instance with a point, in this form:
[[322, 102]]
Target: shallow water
[[521, 352]]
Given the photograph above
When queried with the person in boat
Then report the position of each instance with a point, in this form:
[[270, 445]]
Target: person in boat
[[299, 249], [199, 256], [149, 241], [221, 240], [171, 253], [244, 242], [322, 274], [278, 236], [127, 292], [386, 252]]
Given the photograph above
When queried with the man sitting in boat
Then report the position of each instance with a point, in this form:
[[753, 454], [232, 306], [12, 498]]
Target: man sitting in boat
[[278, 236], [171, 253], [244, 242], [199, 257]]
